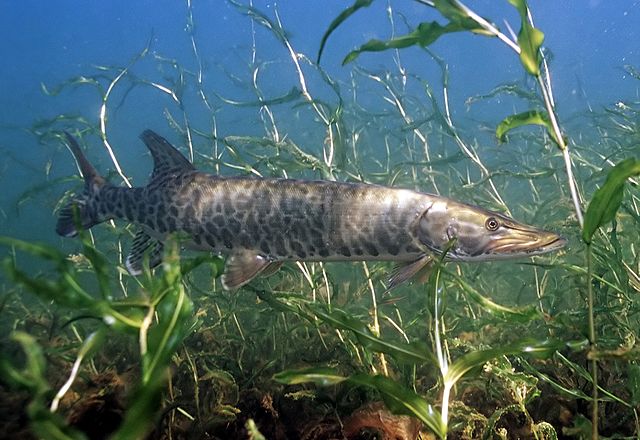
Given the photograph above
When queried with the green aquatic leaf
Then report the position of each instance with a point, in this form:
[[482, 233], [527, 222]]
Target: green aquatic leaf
[[173, 322], [414, 352], [141, 414], [36, 249], [292, 95], [523, 314], [99, 264], [633, 383], [32, 376], [358, 4], [63, 289], [531, 117], [215, 263], [459, 15], [319, 376], [401, 400], [43, 423], [262, 19], [507, 89], [607, 200], [471, 360], [425, 34], [397, 398], [580, 371], [553, 383], [529, 40], [253, 432], [74, 82], [546, 430]]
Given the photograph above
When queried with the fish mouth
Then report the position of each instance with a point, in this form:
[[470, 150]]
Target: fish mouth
[[524, 243]]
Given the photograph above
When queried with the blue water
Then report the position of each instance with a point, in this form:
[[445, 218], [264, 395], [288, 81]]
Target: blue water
[[48, 43]]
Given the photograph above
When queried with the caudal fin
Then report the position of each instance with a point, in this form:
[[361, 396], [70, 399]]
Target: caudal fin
[[81, 211]]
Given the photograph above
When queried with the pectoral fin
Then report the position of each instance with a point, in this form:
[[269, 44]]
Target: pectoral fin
[[243, 266], [143, 247], [419, 268], [272, 268]]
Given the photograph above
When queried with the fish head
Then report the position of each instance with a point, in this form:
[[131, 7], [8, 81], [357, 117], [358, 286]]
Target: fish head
[[470, 233]]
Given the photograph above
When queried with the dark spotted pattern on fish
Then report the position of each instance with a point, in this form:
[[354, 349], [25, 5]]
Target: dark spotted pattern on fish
[[280, 218]]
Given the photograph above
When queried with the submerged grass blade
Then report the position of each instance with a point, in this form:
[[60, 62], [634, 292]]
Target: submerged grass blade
[[44, 423], [358, 4], [607, 200], [401, 400], [469, 361], [414, 352], [398, 399], [320, 376], [522, 314], [425, 34]]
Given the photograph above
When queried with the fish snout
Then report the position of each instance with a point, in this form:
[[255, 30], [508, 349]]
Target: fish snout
[[524, 241]]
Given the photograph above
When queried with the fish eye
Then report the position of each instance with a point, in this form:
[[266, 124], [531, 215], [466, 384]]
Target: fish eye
[[492, 224]]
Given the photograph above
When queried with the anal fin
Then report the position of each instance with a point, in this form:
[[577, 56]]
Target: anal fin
[[243, 266], [419, 268], [143, 247]]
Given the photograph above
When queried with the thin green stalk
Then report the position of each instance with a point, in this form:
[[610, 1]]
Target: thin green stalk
[[592, 342], [545, 86], [441, 356], [375, 325]]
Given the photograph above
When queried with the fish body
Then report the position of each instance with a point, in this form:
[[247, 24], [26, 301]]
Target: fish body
[[260, 223]]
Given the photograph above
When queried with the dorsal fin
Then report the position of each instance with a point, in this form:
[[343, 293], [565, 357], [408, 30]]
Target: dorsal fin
[[165, 155], [91, 177]]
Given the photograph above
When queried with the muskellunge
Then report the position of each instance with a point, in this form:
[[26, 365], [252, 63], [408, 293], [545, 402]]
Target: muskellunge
[[258, 223]]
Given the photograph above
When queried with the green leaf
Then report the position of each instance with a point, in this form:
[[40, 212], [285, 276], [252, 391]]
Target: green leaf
[[633, 383], [142, 414], [458, 15], [474, 359], [293, 94], [32, 377], [425, 34], [413, 353], [173, 322], [253, 432], [401, 400], [63, 289], [607, 200], [529, 40], [319, 376], [44, 423], [523, 314], [99, 263], [358, 4], [531, 117]]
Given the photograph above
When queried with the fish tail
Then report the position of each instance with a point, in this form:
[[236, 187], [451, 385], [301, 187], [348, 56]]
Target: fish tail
[[82, 211]]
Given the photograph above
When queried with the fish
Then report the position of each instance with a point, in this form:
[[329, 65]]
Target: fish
[[260, 223]]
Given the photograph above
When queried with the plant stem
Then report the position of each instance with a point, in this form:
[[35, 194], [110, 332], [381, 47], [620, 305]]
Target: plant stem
[[592, 342], [544, 88]]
